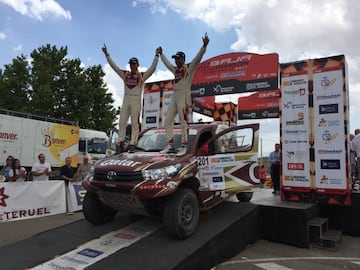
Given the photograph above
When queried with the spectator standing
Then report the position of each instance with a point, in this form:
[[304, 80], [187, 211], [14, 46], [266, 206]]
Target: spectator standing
[[352, 159], [181, 101], [41, 169], [67, 172], [17, 172], [133, 88], [84, 168], [274, 159], [355, 144], [7, 168], [262, 175]]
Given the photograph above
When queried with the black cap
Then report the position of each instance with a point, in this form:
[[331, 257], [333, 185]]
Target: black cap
[[179, 54], [133, 60]]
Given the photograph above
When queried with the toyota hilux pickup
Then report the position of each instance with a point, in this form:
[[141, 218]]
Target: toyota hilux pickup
[[220, 161]]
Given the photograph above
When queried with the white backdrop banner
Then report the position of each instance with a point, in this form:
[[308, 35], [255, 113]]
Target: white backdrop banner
[[25, 200]]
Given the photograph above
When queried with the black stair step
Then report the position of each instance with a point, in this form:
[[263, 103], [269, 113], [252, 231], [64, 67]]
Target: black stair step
[[317, 221], [332, 235]]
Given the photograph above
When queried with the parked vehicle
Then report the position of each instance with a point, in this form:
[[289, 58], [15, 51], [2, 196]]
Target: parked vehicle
[[25, 136], [220, 162], [94, 144]]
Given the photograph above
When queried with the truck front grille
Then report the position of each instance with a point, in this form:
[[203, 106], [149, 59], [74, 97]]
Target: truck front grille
[[116, 176]]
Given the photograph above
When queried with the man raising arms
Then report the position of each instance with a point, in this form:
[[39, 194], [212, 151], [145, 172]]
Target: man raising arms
[[133, 87], [181, 101]]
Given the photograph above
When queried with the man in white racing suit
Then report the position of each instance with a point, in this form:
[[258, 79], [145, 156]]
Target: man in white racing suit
[[181, 101], [133, 88]]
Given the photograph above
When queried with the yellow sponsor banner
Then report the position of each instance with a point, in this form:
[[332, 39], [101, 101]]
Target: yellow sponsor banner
[[62, 141]]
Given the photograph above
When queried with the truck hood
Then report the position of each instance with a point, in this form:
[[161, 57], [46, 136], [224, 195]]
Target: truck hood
[[136, 161]]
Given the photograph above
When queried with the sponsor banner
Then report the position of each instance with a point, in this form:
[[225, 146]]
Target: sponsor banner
[[314, 130], [204, 105], [260, 105], [330, 162], [236, 73], [295, 130], [93, 251], [75, 196], [211, 171], [25, 200], [151, 109], [156, 101]]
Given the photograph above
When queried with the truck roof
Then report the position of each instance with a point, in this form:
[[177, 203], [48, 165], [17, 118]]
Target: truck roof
[[37, 117]]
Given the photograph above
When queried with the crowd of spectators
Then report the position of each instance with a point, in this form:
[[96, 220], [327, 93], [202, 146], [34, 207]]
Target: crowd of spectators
[[12, 171]]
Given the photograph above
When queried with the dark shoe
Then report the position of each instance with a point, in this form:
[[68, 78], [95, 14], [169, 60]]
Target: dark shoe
[[132, 149], [120, 147]]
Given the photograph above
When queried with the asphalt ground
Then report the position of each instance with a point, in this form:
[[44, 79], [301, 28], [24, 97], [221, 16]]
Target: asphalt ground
[[15, 231]]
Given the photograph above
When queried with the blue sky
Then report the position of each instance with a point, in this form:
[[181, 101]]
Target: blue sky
[[296, 30]]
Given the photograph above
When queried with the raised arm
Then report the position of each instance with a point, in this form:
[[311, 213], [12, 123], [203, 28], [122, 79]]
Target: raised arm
[[154, 63], [166, 61], [200, 54], [112, 64]]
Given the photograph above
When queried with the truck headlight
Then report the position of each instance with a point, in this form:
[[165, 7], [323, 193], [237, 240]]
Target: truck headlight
[[161, 173]]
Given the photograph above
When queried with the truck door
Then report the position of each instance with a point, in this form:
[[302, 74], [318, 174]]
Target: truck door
[[228, 161]]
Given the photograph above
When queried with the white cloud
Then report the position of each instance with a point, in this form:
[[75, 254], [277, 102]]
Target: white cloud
[[296, 30], [2, 36], [38, 9]]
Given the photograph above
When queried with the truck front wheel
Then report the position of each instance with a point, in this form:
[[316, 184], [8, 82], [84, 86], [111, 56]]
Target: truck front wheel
[[244, 196], [95, 211], [181, 213]]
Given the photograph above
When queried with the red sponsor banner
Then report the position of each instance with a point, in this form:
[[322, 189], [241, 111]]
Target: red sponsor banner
[[295, 166], [204, 105], [263, 104], [236, 73]]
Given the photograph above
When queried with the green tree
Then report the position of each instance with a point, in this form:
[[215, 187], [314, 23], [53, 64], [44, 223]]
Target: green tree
[[102, 113], [15, 85], [55, 86], [47, 64]]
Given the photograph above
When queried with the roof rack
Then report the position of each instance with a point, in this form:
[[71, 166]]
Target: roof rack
[[37, 117]]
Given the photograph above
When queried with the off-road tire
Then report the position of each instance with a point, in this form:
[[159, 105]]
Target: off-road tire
[[95, 211], [244, 196], [181, 213]]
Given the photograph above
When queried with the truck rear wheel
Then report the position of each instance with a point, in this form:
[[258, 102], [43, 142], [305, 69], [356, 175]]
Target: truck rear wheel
[[181, 213], [244, 196], [95, 211]]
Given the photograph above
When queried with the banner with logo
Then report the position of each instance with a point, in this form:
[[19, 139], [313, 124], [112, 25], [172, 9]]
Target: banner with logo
[[330, 99], [26, 200], [75, 196], [236, 73], [296, 128], [314, 127], [259, 105]]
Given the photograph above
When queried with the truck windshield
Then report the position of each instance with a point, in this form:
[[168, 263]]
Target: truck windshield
[[155, 141], [97, 146]]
